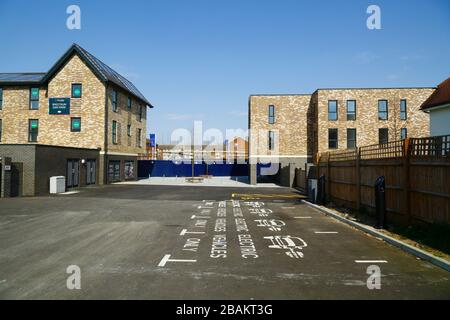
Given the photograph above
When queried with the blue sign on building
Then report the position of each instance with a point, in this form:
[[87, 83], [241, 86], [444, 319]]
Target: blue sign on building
[[152, 140], [59, 106]]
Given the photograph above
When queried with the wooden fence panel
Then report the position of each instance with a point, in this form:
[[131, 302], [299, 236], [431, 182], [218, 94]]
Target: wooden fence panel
[[417, 174]]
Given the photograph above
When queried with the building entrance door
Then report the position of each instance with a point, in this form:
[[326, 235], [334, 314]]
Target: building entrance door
[[91, 171], [114, 171], [73, 168]]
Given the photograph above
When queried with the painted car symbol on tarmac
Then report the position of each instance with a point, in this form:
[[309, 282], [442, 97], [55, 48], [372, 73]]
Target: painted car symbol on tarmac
[[292, 245], [272, 225]]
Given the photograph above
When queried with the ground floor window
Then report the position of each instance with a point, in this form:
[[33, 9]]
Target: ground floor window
[[114, 132], [139, 138], [129, 170], [271, 140], [332, 138], [114, 171], [403, 133], [75, 124], [383, 135], [33, 130], [351, 138]]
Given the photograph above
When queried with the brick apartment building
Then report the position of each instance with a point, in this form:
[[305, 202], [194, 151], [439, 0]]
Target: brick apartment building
[[296, 128], [81, 119]]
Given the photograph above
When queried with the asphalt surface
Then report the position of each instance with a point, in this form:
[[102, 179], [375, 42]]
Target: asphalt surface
[[151, 242]]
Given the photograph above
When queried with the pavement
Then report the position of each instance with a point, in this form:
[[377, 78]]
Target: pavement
[[166, 242], [233, 182]]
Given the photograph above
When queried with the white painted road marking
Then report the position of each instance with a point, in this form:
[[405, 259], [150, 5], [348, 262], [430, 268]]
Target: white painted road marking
[[326, 232], [287, 207], [166, 259], [184, 231], [199, 217], [371, 261], [302, 217]]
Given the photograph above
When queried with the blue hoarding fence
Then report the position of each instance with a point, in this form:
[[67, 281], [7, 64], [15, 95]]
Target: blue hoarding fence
[[167, 168]]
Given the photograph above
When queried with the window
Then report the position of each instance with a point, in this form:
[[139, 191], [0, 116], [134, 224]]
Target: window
[[129, 169], [129, 103], [332, 138], [140, 113], [403, 110], [76, 90], [34, 98], [129, 130], [383, 135], [139, 138], [1, 129], [351, 110], [271, 140], [114, 132], [332, 110], [351, 138], [382, 110], [403, 133], [114, 100], [75, 124], [33, 130], [1, 98], [271, 114]]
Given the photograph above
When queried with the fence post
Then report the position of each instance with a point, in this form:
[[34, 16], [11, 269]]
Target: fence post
[[407, 180], [328, 179], [358, 178]]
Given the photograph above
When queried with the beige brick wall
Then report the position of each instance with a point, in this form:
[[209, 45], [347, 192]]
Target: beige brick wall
[[55, 129], [367, 123], [291, 113], [302, 120], [124, 117]]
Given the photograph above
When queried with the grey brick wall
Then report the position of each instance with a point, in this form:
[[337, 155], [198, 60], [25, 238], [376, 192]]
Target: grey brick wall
[[25, 154]]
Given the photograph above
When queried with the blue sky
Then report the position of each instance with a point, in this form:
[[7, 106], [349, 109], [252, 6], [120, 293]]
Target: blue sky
[[201, 59]]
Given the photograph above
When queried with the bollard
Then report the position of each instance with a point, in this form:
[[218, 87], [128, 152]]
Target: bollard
[[321, 196], [380, 202]]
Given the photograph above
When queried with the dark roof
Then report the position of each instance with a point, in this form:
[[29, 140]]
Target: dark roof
[[440, 97], [101, 70], [21, 77]]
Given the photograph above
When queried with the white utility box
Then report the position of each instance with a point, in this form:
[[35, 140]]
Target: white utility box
[[57, 184]]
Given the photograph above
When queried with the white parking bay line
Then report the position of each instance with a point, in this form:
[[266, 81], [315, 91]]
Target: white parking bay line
[[302, 217], [287, 207], [371, 261], [184, 232], [166, 259], [326, 232]]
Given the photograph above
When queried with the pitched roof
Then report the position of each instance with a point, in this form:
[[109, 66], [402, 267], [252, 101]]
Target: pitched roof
[[21, 77], [439, 97], [100, 69]]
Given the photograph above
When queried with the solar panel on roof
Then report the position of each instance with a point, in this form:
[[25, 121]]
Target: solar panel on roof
[[21, 77], [113, 75]]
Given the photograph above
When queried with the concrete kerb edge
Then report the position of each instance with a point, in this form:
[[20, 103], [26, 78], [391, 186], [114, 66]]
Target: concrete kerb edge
[[397, 243]]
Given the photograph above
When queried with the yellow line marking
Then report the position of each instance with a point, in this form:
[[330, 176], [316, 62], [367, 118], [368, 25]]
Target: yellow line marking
[[258, 196]]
